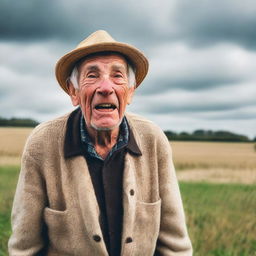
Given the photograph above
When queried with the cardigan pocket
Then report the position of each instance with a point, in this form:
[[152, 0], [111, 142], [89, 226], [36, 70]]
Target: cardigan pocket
[[147, 225], [58, 228]]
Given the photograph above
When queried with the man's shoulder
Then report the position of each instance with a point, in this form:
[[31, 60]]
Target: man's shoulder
[[142, 125], [47, 132], [51, 127], [148, 135]]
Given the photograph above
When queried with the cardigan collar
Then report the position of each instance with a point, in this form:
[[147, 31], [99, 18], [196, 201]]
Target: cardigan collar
[[73, 145]]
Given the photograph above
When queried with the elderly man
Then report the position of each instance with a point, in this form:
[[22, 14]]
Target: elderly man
[[99, 181]]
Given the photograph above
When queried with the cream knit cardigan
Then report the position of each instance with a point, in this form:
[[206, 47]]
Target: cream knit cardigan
[[55, 199]]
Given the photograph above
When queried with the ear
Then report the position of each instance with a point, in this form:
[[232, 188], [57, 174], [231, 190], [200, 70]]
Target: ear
[[130, 95], [74, 95]]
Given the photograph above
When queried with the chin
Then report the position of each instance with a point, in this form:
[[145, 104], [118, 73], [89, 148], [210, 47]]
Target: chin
[[106, 128]]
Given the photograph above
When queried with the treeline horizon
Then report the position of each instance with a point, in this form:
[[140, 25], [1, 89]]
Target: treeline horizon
[[197, 135], [208, 135], [17, 122]]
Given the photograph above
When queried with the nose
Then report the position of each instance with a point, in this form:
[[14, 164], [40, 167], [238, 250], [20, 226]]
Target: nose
[[105, 88]]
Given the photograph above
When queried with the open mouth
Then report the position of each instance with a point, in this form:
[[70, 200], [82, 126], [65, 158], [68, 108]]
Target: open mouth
[[105, 106]]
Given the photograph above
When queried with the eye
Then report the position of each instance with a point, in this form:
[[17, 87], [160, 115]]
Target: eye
[[118, 75], [91, 75]]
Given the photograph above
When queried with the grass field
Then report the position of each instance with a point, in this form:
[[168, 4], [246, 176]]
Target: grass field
[[8, 180], [221, 218]]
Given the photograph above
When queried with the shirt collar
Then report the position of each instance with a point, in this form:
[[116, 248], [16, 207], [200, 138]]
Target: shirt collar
[[122, 140], [73, 145]]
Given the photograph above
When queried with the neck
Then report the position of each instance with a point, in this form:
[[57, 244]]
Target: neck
[[103, 140]]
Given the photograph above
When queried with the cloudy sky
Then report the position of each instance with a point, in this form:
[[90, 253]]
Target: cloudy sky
[[202, 58]]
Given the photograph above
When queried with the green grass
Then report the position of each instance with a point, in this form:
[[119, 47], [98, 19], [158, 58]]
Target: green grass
[[8, 181], [221, 218]]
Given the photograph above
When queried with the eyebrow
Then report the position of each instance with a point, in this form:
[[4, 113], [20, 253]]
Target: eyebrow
[[117, 67], [93, 68]]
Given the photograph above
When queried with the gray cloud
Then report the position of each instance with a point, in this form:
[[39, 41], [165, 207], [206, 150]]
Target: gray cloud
[[190, 122], [242, 114], [179, 66], [28, 87], [28, 20], [145, 23], [214, 100], [209, 22], [164, 108], [199, 107], [69, 21], [162, 85], [202, 57]]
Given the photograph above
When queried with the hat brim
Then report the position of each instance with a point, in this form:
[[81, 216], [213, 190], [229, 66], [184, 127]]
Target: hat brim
[[65, 65]]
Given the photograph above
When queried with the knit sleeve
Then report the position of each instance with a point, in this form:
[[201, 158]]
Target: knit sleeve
[[27, 214]]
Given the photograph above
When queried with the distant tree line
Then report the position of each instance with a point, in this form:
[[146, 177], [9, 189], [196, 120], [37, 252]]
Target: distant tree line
[[208, 135], [198, 135], [18, 122]]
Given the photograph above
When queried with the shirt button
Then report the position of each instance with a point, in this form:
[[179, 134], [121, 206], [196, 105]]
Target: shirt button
[[128, 240], [96, 238], [132, 192]]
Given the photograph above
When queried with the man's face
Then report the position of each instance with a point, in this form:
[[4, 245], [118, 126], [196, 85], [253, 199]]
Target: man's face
[[103, 91]]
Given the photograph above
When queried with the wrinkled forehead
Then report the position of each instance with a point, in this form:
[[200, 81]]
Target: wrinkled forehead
[[104, 56], [101, 55]]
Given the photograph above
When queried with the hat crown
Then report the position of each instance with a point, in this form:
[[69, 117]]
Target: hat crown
[[99, 36], [100, 41]]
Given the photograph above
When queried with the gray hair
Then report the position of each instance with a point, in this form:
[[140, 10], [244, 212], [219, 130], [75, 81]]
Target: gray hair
[[75, 75]]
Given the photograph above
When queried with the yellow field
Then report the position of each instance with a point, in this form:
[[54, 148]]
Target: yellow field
[[194, 161], [12, 141], [215, 161], [189, 155]]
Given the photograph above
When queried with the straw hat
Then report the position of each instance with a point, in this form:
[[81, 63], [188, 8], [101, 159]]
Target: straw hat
[[100, 41]]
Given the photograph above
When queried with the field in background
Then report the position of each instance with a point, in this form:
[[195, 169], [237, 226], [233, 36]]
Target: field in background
[[12, 141], [188, 156], [221, 217], [217, 162], [218, 155]]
